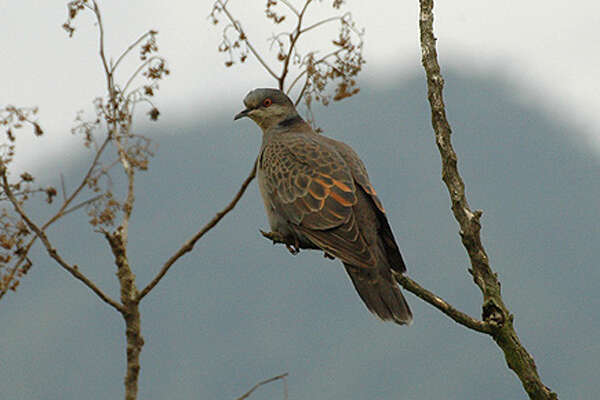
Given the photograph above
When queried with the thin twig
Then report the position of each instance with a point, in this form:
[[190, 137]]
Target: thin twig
[[63, 188], [82, 204], [265, 382], [306, 82], [317, 24], [138, 70], [79, 188], [293, 39], [62, 210], [131, 47], [291, 7], [74, 270], [238, 28], [319, 61], [7, 278], [107, 69], [189, 245], [130, 198]]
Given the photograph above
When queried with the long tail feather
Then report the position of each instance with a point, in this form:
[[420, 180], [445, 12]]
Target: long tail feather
[[380, 294]]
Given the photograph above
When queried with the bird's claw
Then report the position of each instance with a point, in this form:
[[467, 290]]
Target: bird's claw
[[327, 255], [293, 249], [276, 237]]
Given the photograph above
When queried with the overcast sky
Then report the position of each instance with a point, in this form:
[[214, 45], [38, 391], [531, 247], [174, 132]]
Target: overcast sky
[[542, 50], [549, 49]]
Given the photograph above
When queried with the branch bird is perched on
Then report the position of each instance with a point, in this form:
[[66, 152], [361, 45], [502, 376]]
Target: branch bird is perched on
[[317, 195]]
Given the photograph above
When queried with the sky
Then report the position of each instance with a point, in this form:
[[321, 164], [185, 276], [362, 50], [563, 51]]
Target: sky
[[528, 78], [547, 49]]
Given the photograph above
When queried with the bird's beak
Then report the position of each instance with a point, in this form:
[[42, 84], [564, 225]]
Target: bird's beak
[[241, 114]]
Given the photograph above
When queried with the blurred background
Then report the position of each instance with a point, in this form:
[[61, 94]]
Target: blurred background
[[521, 95]]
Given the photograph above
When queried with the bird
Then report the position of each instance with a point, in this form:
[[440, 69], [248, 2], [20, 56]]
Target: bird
[[317, 195]]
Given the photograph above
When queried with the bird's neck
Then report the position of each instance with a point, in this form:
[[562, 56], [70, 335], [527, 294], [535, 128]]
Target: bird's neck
[[290, 121], [293, 123]]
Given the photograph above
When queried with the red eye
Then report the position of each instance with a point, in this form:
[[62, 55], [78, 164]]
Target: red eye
[[267, 102]]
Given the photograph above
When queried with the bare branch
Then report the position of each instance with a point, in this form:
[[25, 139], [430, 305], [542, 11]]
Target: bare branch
[[82, 204], [443, 306], [238, 28], [189, 245], [12, 117], [265, 382], [291, 7], [107, 69], [128, 205], [7, 280], [323, 22], [79, 188], [63, 188], [131, 47], [139, 69], [305, 71], [74, 270], [301, 94], [293, 39], [495, 313]]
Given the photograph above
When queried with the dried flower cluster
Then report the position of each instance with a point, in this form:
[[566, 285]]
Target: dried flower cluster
[[12, 118], [14, 233], [110, 126], [114, 112], [321, 78]]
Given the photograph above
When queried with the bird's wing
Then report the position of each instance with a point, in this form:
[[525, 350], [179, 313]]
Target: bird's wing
[[361, 177], [357, 168], [312, 186]]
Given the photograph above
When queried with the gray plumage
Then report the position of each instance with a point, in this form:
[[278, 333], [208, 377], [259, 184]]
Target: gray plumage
[[317, 195]]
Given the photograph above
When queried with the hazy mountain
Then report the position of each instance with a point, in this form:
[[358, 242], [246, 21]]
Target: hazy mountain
[[237, 309]]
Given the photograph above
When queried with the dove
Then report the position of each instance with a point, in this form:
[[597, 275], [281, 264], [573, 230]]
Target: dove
[[317, 195]]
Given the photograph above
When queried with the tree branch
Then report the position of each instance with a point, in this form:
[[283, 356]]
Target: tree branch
[[62, 211], [131, 47], [495, 312], [291, 7], [189, 245], [237, 26], [443, 306], [304, 72], [265, 382], [293, 39], [317, 24], [74, 270], [107, 69], [130, 311]]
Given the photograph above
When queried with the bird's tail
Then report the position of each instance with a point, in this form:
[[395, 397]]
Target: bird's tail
[[380, 294]]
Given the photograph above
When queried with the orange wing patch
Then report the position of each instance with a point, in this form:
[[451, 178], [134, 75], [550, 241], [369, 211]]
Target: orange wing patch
[[341, 200], [371, 192]]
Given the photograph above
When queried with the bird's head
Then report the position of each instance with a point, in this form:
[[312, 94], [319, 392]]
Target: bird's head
[[268, 108]]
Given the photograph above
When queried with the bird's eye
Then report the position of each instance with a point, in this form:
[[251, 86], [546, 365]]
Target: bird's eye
[[267, 102]]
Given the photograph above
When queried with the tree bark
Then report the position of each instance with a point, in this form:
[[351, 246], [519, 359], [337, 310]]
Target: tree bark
[[495, 311], [130, 313]]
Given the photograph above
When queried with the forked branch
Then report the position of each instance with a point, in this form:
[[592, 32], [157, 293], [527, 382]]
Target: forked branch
[[495, 313], [339, 66], [52, 252]]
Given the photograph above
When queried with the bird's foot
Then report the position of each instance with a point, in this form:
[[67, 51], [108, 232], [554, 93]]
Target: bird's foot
[[327, 255], [291, 244], [293, 249]]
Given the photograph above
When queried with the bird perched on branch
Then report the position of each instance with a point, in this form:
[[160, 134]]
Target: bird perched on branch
[[317, 195]]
